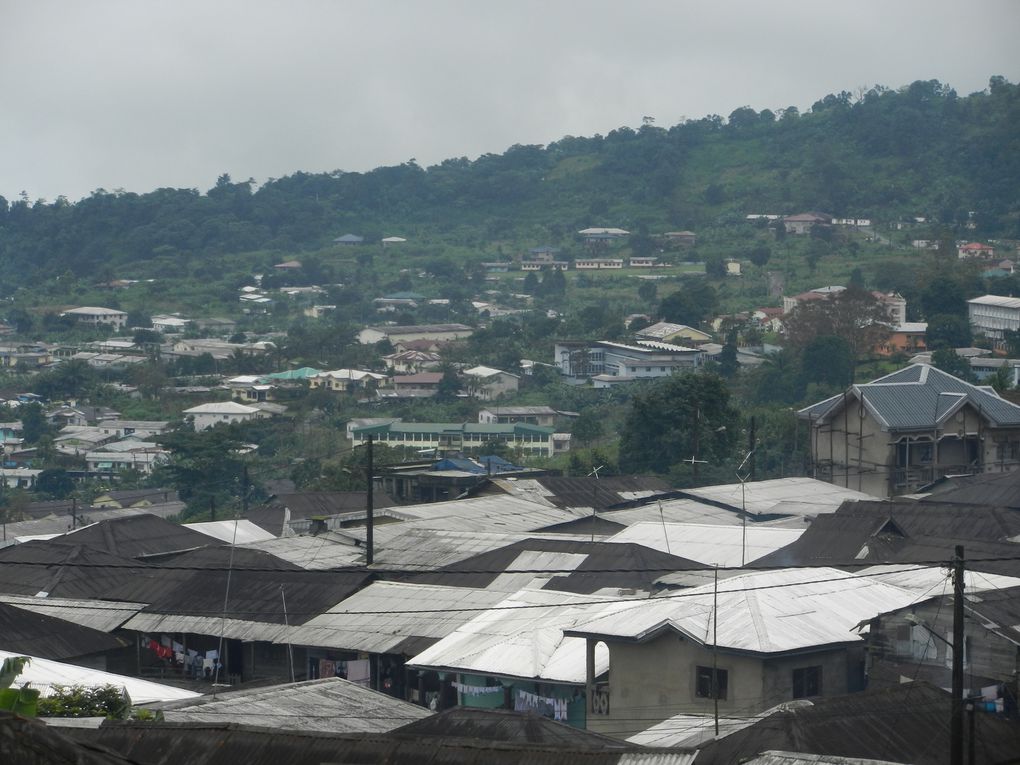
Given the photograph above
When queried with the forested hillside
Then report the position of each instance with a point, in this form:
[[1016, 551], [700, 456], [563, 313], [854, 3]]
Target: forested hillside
[[883, 154]]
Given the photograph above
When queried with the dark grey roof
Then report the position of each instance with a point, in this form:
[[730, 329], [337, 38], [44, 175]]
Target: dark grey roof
[[991, 489], [79, 571], [905, 532], [137, 536], [919, 397], [505, 725], [25, 740], [606, 565], [903, 723], [23, 631], [212, 744]]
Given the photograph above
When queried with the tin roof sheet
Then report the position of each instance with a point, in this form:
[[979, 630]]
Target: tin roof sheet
[[762, 612], [522, 636], [386, 617], [715, 545]]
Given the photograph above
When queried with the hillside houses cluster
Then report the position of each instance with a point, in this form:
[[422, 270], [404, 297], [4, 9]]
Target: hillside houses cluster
[[607, 615]]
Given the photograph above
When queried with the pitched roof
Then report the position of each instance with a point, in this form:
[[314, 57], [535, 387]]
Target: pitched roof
[[328, 704], [754, 610], [500, 643], [386, 617], [578, 566], [506, 725], [43, 674], [919, 397], [586, 491], [27, 632], [710, 544], [904, 723], [221, 407], [137, 536]]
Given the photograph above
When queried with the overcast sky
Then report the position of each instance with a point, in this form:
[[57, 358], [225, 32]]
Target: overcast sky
[[137, 95]]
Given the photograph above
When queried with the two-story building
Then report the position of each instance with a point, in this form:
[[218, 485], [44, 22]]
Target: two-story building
[[97, 316], [740, 646], [206, 416], [488, 383], [642, 359], [909, 428], [452, 437]]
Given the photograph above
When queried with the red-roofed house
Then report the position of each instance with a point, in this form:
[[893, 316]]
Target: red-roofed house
[[975, 250]]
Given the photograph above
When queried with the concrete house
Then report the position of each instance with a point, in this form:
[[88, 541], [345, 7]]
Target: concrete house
[[488, 383], [96, 316], [803, 223], [667, 332], [205, 416], [764, 638], [909, 428], [642, 359]]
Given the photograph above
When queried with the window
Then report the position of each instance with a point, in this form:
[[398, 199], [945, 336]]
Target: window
[[705, 688], [807, 682]]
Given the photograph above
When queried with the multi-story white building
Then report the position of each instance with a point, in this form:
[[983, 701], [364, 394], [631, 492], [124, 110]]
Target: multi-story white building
[[205, 416], [641, 359], [994, 315], [97, 316]]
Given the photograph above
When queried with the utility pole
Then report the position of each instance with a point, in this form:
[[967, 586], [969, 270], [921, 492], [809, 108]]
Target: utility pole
[[715, 648], [752, 436], [956, 721], [369, 508], [244, 490]]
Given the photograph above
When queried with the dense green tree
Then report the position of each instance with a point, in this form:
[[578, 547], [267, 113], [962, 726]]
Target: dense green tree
[[678, 418], [33, 423], [828, 359], [949, 361], [691, 304], [54, 481], [948, 331]]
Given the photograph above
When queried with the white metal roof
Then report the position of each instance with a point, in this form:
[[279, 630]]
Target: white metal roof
[[932, 581], [522, 636], [712, 544], [239, 531], [44, 674], [380, 617], [1000, 301], [799, 496], [322, 551], [221, 407], [763, 612]]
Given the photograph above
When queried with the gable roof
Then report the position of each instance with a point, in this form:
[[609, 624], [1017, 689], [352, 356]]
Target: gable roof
[[506, 725], [753, 611], [23, 631], [386, 617], [578, 566], [918, 397], [221, 407], [904, 723], [328, 704], [500, 643], [137, 536]]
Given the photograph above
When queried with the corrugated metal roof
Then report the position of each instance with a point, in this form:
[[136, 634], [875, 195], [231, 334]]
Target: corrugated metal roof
[[43, 674], [214, 744], [102, 615], [794, 758], [806, 495], [386, 615], [905, 722], [136, 536], [522, 636], [920, 397], [329, 704], [23, 631], [584, 491], [237, 531], [505, 725], [762, 612], [715, 545], [567, 565], [322, 551], [418, 547], [673, 511], [236, 629]]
